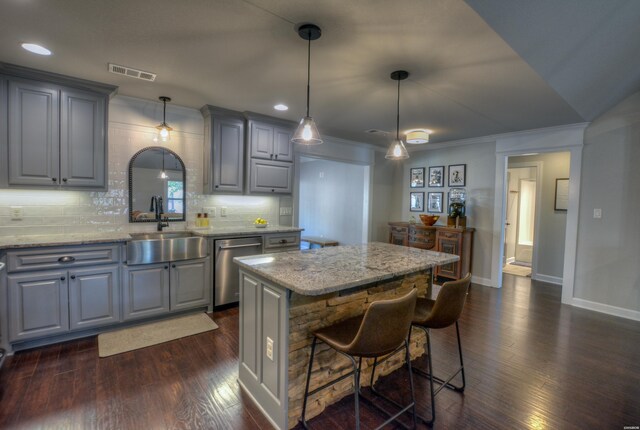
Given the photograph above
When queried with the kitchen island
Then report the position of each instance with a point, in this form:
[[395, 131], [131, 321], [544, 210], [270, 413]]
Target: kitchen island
[[285, 297]]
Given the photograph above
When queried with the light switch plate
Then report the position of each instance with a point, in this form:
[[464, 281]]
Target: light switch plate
[[286, 211], [597, 213], [223, 211], [16, 213], [211, 211]]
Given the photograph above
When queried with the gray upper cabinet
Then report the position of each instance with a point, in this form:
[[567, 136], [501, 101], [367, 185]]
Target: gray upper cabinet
[[270, 166], [223, 150], [34, 140], [270, 142], [57, 130], [82, 139]]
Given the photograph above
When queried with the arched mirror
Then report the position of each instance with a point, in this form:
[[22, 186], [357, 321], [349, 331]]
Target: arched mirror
[[157, 180]]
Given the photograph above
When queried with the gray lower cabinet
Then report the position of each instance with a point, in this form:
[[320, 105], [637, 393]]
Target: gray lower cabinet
[[54, 302], [190, 283], [271, 177], [154, 289], [145, 290], [94, 297], [38, 305]]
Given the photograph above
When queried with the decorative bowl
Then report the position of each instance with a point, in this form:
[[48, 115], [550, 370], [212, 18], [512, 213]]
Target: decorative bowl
[[429, 219], [261, 225]]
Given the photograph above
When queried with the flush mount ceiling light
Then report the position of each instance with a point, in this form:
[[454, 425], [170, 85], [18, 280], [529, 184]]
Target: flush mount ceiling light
[[36, 49], [307, 132], [417, 136], [281, 107], [397, 150], [164, 131]]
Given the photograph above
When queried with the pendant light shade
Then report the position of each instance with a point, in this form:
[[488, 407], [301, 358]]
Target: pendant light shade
[[307, 132], [397, 150], [163, 173], [164, 131]]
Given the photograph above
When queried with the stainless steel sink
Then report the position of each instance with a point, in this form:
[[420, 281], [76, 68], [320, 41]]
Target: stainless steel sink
[[161, 235], [148, 248]]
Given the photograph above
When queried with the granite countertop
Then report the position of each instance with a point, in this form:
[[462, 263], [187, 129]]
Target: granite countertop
[[320, 271], [32, 241], [245, 230]]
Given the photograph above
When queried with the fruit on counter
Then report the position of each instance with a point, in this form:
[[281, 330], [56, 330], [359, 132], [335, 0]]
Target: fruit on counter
[[260, 221]]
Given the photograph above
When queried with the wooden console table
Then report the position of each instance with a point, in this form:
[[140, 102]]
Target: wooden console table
[[458, 241]]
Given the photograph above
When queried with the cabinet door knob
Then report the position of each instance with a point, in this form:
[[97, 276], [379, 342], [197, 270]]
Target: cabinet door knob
[[166, 267], [276, 156], [73, 276], [54, 179], [64, 179], [271, 155], [62, 278], [272, 190], [217, 186], [173, 265]]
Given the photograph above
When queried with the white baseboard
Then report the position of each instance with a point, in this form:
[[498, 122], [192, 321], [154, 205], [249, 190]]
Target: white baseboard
[[606, 309], [481, 281], [547, 278]]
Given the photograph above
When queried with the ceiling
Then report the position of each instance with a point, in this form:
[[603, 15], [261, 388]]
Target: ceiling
[[529, 67]]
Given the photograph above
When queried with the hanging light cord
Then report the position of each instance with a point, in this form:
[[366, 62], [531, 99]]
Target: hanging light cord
[[164, 113], [308, 69], [398, 114]]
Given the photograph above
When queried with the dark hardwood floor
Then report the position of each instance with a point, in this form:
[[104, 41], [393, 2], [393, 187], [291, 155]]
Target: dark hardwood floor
[[531, 363]]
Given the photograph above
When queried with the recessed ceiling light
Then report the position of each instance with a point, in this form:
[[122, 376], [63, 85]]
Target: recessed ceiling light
[[281, 107], [36, 49]]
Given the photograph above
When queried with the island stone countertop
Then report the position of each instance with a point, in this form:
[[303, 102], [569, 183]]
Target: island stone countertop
[[320, 271], [57, 239]]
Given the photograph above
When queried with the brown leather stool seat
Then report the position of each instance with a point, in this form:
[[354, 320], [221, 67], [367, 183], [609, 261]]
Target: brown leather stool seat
[[382, 330], [443, 312]]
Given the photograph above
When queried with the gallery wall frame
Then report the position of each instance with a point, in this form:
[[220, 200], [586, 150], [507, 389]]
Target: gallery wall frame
[[434, 202], [561, 200], [416, 201], [416, 177], [436, 176], [457, 175]]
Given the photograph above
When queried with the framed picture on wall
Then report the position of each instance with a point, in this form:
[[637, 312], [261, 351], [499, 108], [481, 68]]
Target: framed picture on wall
[[416, 201], [434, 202], [561, 202], [416, 177], [436, 176], [457, 175]]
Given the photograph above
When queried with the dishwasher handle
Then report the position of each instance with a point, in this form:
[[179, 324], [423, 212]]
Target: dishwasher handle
[[247, 245]]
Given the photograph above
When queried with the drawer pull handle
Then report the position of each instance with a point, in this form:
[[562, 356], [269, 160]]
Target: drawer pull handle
[[283, 240], [67, 259]]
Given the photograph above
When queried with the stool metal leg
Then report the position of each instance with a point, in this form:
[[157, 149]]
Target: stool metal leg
[[306, 388]]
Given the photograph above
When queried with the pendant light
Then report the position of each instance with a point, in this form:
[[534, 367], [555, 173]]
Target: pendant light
[[164, 131], [307, 132], [163, 173], [397, 150]]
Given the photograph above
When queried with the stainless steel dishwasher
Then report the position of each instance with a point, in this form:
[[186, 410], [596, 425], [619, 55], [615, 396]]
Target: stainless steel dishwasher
[[226, 287]]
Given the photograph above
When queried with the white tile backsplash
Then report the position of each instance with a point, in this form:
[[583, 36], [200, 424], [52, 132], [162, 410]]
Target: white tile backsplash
[[65, 212]]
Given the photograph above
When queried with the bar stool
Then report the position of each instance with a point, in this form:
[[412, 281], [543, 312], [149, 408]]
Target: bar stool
[[441, 313], [383, 329]]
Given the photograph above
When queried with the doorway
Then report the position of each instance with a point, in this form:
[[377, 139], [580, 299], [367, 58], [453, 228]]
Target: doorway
[[520, 221]]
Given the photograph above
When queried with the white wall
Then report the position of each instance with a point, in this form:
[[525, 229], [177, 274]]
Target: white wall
[[333, 201], [480, 161], [552, 224], [608, 256], [131, 128]]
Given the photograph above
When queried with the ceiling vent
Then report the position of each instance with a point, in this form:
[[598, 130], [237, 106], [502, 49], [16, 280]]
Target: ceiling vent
[[376, 131], [132, 73]]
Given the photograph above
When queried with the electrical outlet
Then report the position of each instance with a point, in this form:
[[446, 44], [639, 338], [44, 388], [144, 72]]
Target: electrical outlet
[[286, 211], [211, 211], [16, 213], [223, 211], [270, 348], [597, 213]]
